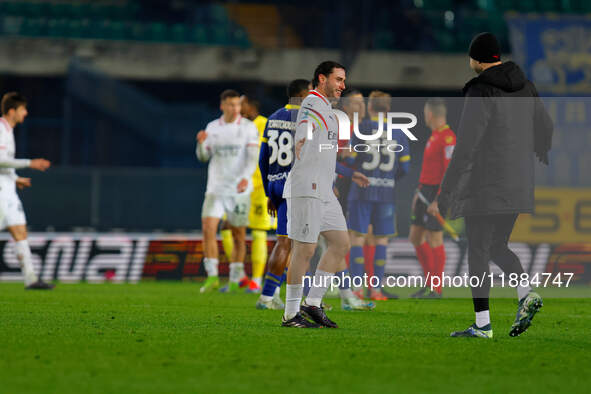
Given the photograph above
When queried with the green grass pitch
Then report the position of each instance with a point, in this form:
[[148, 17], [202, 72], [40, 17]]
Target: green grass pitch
[[165, 337]]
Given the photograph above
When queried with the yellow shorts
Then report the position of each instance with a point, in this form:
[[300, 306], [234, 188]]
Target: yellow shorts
[[258, 217]]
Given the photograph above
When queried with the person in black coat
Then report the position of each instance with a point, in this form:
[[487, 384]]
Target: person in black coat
[[490, 179]]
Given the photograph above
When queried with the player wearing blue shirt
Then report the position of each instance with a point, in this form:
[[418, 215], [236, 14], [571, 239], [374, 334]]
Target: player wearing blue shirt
[[275, 160], [383, 165]]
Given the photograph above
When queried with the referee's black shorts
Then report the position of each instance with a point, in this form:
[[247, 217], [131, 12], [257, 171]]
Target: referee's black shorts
[[419, 215]]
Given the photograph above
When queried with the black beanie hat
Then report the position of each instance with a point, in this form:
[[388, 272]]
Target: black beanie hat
[[485, 48]]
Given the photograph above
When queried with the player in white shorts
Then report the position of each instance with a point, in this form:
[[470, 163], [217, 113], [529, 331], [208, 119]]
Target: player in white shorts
[[12, 216], [312, 207], [230, 143]]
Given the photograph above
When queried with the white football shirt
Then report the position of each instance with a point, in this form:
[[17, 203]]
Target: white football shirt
[[312, 175], [7, 161], [226, 145]]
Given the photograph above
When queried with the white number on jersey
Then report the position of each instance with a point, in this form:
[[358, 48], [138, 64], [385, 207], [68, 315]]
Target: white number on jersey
[[376, 157], [281, 147]]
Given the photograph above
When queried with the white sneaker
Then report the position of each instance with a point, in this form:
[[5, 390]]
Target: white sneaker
[[274, 303], [355, 304], [277, 301]]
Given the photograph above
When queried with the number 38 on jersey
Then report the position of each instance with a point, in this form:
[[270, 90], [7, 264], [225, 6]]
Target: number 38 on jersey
[[281, 147]]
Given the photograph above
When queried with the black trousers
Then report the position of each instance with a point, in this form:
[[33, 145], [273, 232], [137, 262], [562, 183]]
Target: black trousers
[[488, 236]]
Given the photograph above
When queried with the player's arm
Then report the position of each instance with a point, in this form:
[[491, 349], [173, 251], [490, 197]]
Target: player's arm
[[251, 159], [203, 150], [9, 162], [359, 178], [543, 129], [264, 160], [473, 124], [344, 170], [403, 158]]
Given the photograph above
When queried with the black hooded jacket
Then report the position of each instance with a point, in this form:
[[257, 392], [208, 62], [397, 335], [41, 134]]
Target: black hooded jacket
[[503, 124]]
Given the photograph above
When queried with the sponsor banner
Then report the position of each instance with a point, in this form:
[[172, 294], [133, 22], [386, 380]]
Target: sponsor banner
[[131, 257], [181, 258], [115, 258], [561, 215], [75, 258], [554, 52]]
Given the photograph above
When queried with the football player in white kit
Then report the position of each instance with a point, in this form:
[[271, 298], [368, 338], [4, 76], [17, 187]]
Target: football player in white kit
[[312, 207], [12, 216], [231, 144]]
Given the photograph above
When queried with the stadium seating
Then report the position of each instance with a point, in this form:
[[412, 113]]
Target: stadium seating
[[122, 20], [421, 25]]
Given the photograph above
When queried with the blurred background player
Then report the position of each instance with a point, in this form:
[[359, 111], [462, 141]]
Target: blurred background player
[[275, 160], [231, 145], [352, 101], [375, 204], [259, 220], [425, 231], [12, 215]]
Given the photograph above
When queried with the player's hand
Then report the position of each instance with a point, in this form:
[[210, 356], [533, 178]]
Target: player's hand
[[40, 164], [242, 185], [299, 146], [201, 136], [433, 208], [22, 183], [271, 209], [360, 179]]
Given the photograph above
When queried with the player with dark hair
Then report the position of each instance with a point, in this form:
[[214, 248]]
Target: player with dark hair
[[230, 143], [12, 216], [426, 233], [312, 207], [275, 161], [259, 220]]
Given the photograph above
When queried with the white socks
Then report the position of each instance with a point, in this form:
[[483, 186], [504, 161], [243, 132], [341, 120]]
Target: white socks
[[211, 266], [23, 255], [236, 272], [320, 283], [522, 292], [293, 298], [482, 318], [258, 281]]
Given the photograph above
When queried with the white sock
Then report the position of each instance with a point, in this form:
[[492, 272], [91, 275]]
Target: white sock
[[277, 291], [482, 318], [346, 293], [293, 299], [23, 255], [211, 266], [258, 281], [320, 283], [236, 272], [522, 292]]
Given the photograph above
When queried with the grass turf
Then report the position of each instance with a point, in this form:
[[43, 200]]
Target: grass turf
[[166, 337]]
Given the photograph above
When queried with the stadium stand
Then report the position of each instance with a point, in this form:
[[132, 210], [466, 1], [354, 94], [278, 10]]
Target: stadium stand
[[410, 25]]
